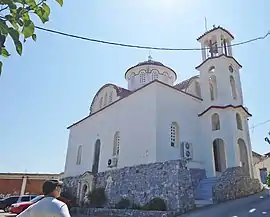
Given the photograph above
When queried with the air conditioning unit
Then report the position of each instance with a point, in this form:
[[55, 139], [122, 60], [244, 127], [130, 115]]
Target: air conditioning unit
[[187, 150], [113, 162]]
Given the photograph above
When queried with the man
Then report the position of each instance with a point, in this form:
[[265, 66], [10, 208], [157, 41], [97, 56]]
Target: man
[[49, 206]]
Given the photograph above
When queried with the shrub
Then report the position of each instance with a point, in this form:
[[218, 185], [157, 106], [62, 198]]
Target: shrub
[[97, 197], [156, 204], [124, 203], [136, 206], [268, 180]]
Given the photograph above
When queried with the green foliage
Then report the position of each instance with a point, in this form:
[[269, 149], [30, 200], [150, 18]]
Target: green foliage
[[15, 20], [136, 206], [268, 180], [97, 197], [124, 203], [156, 204]]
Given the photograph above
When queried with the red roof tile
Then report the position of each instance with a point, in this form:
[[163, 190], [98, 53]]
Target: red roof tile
[[185, 84]]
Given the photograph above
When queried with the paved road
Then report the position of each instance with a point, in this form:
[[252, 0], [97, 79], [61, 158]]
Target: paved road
[[253, 206]]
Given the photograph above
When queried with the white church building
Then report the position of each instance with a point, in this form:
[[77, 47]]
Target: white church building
[[202, 119]]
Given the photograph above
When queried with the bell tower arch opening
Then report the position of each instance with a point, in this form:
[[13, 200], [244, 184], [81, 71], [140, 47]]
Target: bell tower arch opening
[[215, 44]]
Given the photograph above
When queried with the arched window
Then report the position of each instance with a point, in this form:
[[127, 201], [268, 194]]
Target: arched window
[[154, 75], [142, 77], [79, 155], [233, 87], [105, 99], [239, 122], [213, 87], [215, 122], [101, 102], [174, 135], [198, 89], [116, 144], [110, 97]]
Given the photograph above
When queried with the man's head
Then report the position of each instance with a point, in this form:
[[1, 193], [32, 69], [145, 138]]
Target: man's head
[[52, 188]]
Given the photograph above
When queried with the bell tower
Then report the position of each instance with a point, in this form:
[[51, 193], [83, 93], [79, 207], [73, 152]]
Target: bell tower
[[223, 116]]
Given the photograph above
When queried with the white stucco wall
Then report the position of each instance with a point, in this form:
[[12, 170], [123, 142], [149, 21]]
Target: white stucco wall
[[175, 106], [133, 117], [224, 93], [228, 131]]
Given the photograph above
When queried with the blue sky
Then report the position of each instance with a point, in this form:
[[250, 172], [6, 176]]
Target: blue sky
[[53, 83]]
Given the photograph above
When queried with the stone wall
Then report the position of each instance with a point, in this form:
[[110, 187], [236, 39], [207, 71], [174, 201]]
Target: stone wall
[[233, 184], [169, 180], [71, 184], [97, 212], [196, 176]]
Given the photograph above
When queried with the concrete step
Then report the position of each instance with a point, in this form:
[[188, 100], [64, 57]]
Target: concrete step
[[201, 203], [208, 181], [198, 193], [203, 193]]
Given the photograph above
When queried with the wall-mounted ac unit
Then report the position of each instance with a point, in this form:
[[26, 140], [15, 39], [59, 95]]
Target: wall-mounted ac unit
[[187, 150], [113, 162]]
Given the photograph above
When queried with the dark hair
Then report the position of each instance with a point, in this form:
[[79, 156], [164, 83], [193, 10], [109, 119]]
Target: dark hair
[[50, 185]]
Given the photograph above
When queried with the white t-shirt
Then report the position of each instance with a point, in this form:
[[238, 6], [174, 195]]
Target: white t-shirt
[[46, 207]]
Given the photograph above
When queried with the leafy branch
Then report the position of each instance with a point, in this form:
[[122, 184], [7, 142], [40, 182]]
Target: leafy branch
[[17, 22]]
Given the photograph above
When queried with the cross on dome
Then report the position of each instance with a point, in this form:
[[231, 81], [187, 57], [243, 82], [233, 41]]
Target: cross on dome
[[149, 56]]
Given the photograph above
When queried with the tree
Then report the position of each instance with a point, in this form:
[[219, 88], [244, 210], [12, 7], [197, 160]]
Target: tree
[[15, 22], [268, 180]]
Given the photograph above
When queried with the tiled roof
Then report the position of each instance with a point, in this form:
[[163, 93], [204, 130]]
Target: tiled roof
[[215, 28], [150, 62], [122, 92], [153, 63], [185, 84]]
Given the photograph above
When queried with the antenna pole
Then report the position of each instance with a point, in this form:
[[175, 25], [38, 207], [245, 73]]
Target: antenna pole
[[205, 24]]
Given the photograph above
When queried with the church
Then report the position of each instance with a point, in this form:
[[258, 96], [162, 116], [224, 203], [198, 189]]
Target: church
[[202, 119]]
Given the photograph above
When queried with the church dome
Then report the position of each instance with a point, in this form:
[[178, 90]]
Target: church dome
[[150, 62], [148, 71]]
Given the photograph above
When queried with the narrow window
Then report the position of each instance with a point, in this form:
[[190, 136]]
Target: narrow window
[[154, 75], [105, 99], [101, 102], [233, 87], [215, 122], [239, 122], [110, 97], [213, 87], [116, 144], [174, 134], [79, 155], [142, 77]]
